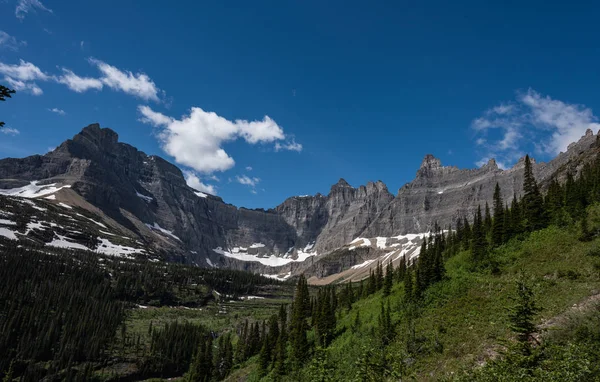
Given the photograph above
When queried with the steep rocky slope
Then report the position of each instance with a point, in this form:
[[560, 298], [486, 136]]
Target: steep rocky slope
[[146, 198]]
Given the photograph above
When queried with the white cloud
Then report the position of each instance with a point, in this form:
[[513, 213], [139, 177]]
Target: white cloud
[[291, 146], [138, 84], [568, 122], [247, 181], [151, 117], [57, 111], [194, 182], [248, 168], [9, 131], [30, 87], [79, 84], [26, 6], [549, 125], [24, 71], [9, 42], [196, 140]]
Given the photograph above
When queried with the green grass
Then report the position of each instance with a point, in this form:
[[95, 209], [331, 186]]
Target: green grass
[[462, 320]]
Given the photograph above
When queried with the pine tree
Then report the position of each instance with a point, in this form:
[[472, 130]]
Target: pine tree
[[498, 224], [298, 324], [408, 286], [389, 279], [533, 203], [479, 243], [379, 276], [487, 220], [521, 316], [264, 358], [4, 94], [401, 270]]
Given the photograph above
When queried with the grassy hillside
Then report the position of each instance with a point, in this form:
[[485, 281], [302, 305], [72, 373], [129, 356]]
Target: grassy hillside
[[462, 322]]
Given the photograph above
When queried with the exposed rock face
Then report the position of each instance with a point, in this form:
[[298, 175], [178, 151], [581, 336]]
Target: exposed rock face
[[137, 191]]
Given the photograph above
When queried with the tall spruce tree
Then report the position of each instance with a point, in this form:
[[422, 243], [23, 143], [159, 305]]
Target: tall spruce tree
[[298, 324], [487, 220], [389, 279], [533, 203], [479, 243], [498, 223]]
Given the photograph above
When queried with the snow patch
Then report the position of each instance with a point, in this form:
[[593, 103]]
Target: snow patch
[[200, 194], [65, 205], [210, 263], [51, 197], [93, 221], [278, 277], [165, 231], [309, 246], [257, 245], [62, 242], [32, 204], [32, 190], [7, 222], [272, 260], [361, 265], [147, 199], [7, 233], [381, 242], [106, 247]]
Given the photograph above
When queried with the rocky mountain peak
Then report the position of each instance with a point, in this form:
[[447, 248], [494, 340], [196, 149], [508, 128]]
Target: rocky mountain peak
[[340, 185], [429, 165], [430, 162], [491, 165], [103, 137]]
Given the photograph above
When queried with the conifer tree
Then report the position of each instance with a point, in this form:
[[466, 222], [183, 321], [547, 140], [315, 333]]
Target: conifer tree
[[298, 324], [389, 279], [521, 315], [401, 270], [533, 203], [487, 220], [264, 358], [379, 276], [408, 286], [479, 243], [498, 224]]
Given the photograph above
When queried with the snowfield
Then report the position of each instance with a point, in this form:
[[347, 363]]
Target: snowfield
[[271, 260], [32, 190], [156, 227]]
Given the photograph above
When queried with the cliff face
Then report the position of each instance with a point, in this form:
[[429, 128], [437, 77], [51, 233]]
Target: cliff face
[[141, 193]]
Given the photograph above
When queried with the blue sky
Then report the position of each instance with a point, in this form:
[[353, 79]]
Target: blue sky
[[258, 101]]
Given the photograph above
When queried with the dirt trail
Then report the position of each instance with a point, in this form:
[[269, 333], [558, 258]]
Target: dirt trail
[[563, 318]]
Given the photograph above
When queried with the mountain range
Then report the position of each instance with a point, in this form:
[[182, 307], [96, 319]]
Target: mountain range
[[95, 193]]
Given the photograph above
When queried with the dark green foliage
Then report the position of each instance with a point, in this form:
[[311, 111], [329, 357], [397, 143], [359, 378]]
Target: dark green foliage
[[521, 315], [408, 286], [56, 309], [479, 245], [201, 368], [498, 232], [298, 324], [173, 346], [487, 220], [386, 328], [388, 280], [533, 203], [223, 357], [4, 94]]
